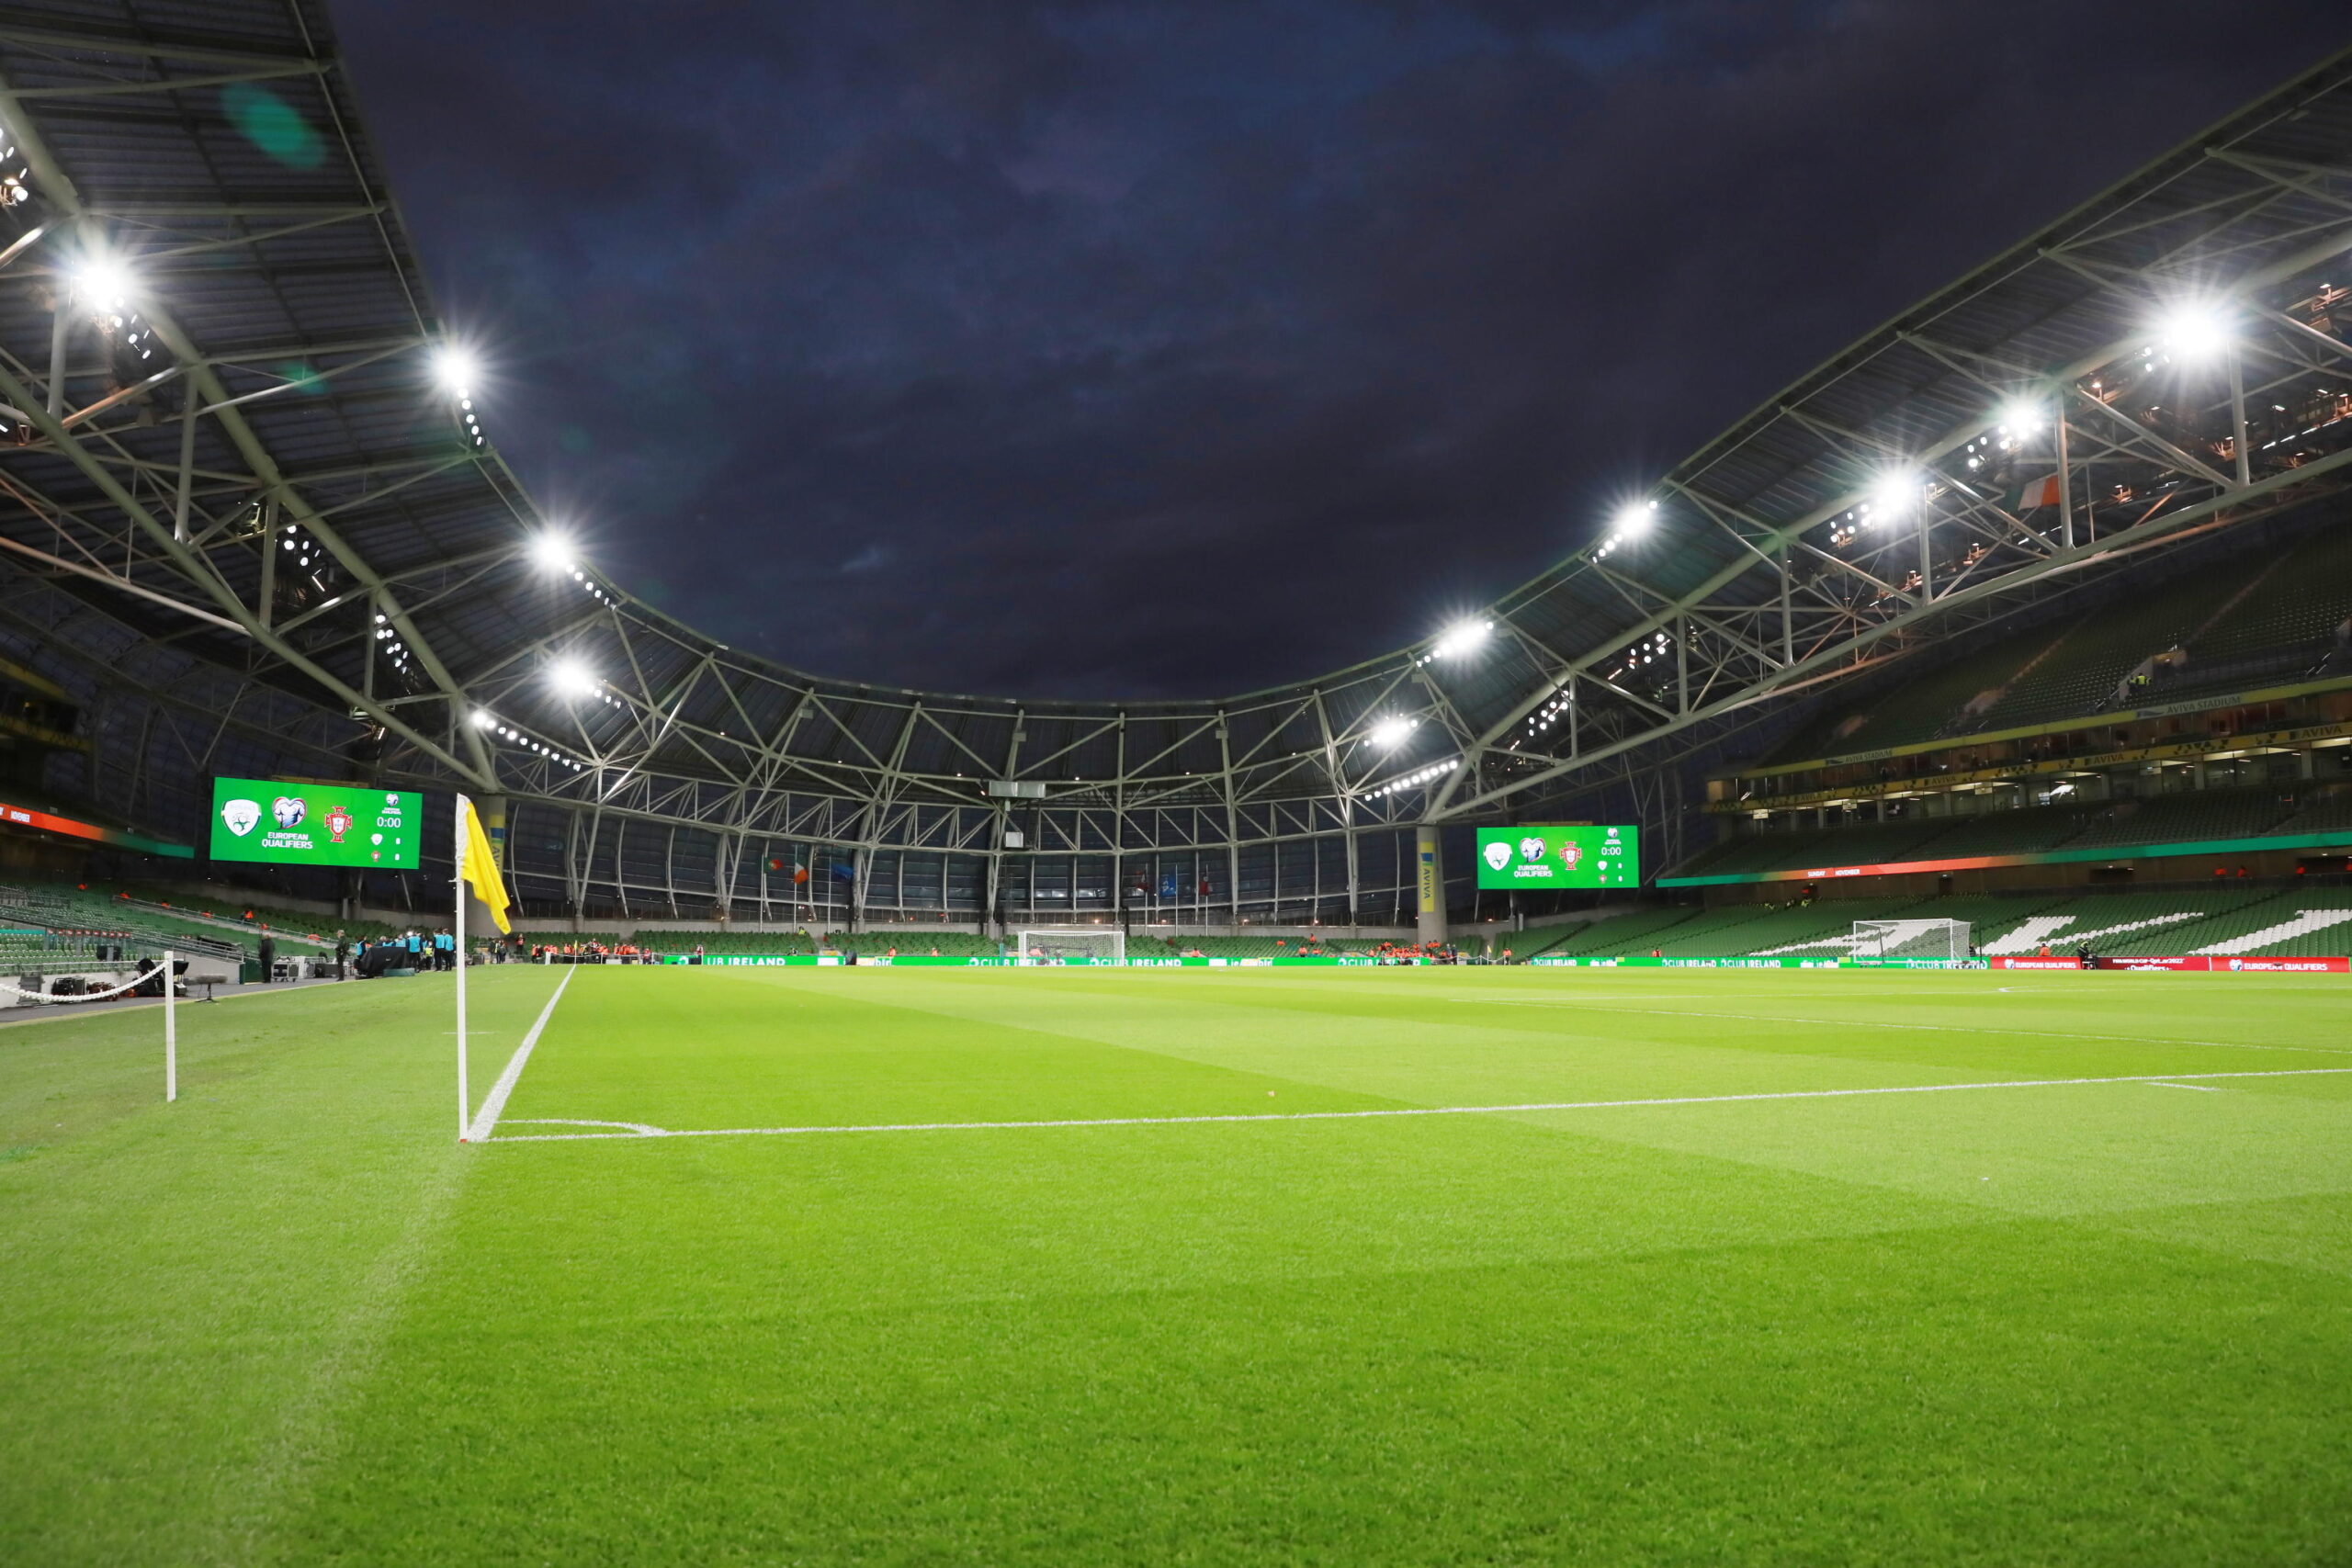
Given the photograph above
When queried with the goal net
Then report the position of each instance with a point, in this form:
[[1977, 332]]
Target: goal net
[[1910, 939], [1098, 945]]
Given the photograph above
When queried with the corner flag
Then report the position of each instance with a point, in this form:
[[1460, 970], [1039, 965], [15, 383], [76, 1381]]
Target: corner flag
[[478, 871], [475, 865]]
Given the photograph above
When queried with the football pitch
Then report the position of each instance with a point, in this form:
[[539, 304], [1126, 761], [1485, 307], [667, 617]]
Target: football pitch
[[1382, 1266]]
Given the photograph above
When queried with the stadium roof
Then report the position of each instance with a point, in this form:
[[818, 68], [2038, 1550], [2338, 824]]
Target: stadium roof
[[220, 362]]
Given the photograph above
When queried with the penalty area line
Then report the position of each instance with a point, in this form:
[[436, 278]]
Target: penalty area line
[[640, 1130], [479, 1130]]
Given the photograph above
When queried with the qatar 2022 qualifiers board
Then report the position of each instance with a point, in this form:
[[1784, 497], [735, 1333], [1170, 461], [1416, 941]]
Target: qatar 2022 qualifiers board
[[313, 824], [1559, 857]]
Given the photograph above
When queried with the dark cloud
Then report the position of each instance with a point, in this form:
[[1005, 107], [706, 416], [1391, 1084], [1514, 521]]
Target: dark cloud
[[1170, 349]]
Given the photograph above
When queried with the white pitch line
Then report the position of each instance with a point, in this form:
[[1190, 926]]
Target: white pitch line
[[2199, 1088], [1595, 1005], [487, 1116], [1403, 1111]]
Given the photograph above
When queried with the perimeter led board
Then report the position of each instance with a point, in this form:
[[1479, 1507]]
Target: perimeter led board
[[288, 824], [1559, 857]]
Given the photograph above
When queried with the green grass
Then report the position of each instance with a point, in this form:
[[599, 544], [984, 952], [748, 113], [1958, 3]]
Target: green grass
[[290, 1320]]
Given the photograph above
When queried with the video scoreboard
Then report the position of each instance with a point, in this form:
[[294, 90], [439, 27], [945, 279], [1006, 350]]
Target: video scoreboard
[[1559, 857]]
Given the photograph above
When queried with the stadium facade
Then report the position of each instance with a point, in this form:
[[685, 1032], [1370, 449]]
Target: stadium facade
[[254, 526]]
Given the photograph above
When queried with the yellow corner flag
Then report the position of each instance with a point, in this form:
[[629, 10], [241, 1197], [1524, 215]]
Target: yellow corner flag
[[479, 870]]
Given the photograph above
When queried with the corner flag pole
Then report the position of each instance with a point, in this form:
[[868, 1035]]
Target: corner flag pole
[[171, 1037], [458, 882]]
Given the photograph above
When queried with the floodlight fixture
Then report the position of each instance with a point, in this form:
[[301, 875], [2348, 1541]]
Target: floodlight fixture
[[1896, 492], [103, 283], [454, 367], [1391, 733], [1461, 638], [485, 719], [1635, 517], [2023, 416], [573, 679], [2195, 329], [552, 549]]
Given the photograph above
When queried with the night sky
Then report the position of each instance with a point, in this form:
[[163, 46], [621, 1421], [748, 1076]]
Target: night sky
[[1177, 350]]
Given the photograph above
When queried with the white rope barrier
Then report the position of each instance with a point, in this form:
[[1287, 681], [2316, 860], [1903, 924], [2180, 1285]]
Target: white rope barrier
[[44, 995], [162, 972]]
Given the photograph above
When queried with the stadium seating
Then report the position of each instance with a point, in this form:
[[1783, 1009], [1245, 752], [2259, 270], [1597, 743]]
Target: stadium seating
[[2321, 810], [234, 909], [2185, 819], [76, 910], [1536, 941], [1796, 929], [2264, 620], [1635, 932], [757, 944], [2193, 816], [909, 941], [2308, 921], [2026, 830], [2299, 603], [1234, 946], [1924, 708]]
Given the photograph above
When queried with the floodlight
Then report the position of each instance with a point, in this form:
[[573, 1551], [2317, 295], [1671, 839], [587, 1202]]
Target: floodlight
[[2197, 330], [1461, 638], [455, 368], [102, 283], [1897, 492], [1635, 516], [485, 719], [1391, 733], [2021, 416], [573, 679], [553, 550]]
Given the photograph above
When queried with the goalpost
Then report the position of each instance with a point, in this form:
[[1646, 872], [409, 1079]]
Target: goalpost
[[1099, 944], [1911, 939]]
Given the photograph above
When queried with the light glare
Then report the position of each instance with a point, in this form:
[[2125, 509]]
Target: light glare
[[102, 283], [454, 369], [573, 679], [1391, 733], [1896, 492], [1462, 638], [2194, 332]]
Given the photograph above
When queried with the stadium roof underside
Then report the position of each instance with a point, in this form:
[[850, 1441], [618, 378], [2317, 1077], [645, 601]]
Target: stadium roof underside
[[238, 481]]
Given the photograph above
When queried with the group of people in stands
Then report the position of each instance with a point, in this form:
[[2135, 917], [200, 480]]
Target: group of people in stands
[[589, 949]]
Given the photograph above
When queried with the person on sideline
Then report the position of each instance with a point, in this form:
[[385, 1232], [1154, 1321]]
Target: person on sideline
[[269, 957]]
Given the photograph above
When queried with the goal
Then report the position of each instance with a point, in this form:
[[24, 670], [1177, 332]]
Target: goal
[[1095, 944], [1910, 939]]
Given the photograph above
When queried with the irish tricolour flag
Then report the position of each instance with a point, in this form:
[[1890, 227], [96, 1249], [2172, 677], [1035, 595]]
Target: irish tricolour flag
[[2043, 492]]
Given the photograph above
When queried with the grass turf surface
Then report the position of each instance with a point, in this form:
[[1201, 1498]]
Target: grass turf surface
[[289, 1320]]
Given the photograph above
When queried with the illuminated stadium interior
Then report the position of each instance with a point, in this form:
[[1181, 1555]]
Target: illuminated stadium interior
[[1813, 1030], [260, 524]]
